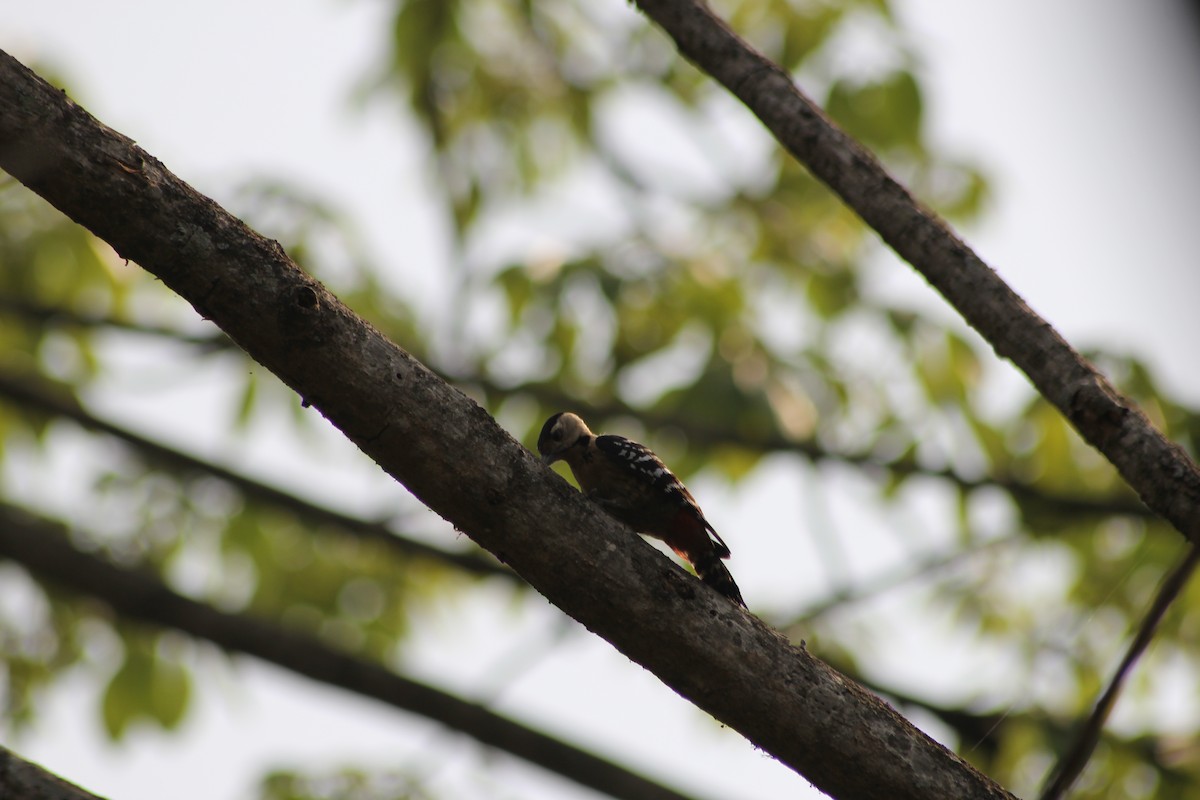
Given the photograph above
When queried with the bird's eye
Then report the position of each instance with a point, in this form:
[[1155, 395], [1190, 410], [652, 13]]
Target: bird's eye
[[556, 434]]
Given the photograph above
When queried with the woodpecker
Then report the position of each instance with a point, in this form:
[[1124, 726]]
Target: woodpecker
[[631, 483]]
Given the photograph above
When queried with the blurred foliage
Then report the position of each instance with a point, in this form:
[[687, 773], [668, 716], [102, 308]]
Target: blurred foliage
[[667, 271], [149, 685], [347, 784]]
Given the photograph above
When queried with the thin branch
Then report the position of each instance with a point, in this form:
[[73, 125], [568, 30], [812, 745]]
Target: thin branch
[[45, 400], [982, 732], [57, 316], [1076, 757], [1158, 470], [23, 780], [43, 547], [705, 433], [709, 435], [48, 401], [453, 456]]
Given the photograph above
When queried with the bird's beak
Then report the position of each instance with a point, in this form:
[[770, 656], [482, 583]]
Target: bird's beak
[[549, 458]]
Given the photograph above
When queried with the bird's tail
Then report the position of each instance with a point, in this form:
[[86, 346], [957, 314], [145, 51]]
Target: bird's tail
[[713, 572]]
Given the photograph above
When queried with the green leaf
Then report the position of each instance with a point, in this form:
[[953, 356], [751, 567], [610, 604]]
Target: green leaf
[[964, 361], [884, 114], [170, 690], [518, 290], [125, 696]]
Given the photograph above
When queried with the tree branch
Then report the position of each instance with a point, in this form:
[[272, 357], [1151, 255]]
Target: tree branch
[[1158, 470], [43, 548], [712, 436], [1076, 757], [43, 400], [460, 463], [50, 316], [23, 780], [705, 434]]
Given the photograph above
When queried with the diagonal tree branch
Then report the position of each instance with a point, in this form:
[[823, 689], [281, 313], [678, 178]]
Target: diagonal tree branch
[[1158, 470], [48, 402], [459, 462], [712, 436], [1075, 758], [43, 548], [23, 780]]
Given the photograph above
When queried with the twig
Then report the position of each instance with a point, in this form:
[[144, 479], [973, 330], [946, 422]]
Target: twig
[[705, 434], [1075, 759], [50, 316], [46, 401]]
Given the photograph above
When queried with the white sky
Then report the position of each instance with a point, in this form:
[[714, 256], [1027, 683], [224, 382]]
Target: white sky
[[1084, 113]]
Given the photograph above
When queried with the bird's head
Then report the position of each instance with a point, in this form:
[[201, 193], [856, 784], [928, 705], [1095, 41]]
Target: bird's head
[[561, 432]]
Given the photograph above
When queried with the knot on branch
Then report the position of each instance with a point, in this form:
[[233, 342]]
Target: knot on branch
[[307, 298]]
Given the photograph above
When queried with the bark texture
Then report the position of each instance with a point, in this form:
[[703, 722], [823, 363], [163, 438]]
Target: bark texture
[[453, 456], [21, 780]]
